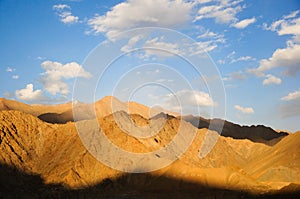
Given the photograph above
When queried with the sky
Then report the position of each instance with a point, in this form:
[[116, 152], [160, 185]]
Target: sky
[[246, 53]]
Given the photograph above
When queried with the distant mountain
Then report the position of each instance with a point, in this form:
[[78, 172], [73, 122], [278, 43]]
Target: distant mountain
[[257, 133]]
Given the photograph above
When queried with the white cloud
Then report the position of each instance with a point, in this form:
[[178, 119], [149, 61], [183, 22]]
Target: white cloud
[[52, 79], [244, 23], [190, 98], [9, 69], [270, 79], [136, 13], [286, 25], [40, 58], [244, 110], [160, 48], [203, 47], [131, 43], [292, 96], [61, 7], [208, 34], [203, 1], [68, 18], [243, 58], [231, 58], [283, 57], [223, 12], [28, 94], [156, 46], [15, 76], [291, 15], [65, 14], [287, 57]]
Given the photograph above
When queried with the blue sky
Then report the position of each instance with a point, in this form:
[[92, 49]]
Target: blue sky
[[255, 46]]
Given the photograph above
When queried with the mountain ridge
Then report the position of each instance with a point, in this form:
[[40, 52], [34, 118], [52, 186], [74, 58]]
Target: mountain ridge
[[63, 113]]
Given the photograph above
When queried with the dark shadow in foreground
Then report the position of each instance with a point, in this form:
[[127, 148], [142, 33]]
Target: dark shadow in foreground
[[17, 184]]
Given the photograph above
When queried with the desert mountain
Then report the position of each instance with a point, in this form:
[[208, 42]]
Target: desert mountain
[[40, 159], [257, 133], [63, 113]]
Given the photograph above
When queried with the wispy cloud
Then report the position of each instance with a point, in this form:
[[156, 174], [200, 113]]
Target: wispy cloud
[[244, 23]]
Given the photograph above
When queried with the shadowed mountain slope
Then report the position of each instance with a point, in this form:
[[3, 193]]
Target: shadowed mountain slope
[[258, 133], [18, 184]]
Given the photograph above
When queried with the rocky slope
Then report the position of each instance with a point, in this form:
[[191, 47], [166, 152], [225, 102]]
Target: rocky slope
[[40, 159]]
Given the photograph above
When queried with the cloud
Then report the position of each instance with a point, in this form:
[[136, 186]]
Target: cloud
[[287, 25], [224, 12], [287, 57], [291, 15], [61, 7], [271, 80], [208, 34], [231, 58], [243, 58], [244, 23], [55, 72], [68, 18], [131, 43], [292, 96], [40, 58], [156, 46], [189, 98], [161, 47], [283, 57], [247, 110], [15, 76], [155, 43], [10, 70], [136, 13], [28, 94], [203, 1], [65, 14]]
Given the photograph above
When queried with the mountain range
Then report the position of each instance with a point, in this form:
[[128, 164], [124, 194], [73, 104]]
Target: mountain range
[[43, 156]]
